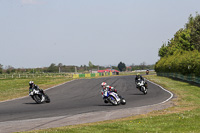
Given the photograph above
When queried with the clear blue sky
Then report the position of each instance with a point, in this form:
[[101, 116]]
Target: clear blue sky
[[36, 33]]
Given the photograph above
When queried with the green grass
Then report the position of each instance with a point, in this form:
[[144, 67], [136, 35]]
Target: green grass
[[15, 88], [183, 117]]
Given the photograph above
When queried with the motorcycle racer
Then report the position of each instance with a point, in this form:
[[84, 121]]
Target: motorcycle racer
[[111, 91], [34, 86], [139, 78]]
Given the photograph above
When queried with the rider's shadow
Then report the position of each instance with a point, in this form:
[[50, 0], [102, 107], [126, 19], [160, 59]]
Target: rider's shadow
[[105, 105], [137, 94], [31, 103]]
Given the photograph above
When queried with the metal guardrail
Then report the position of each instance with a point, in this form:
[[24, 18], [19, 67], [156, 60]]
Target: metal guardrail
[[89, 75], [191, 77]]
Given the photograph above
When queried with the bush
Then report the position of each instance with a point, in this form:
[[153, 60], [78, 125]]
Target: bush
[[184, 62]]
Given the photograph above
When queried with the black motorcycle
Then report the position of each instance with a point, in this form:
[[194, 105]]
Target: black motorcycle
[[39, 96], [142, 86]]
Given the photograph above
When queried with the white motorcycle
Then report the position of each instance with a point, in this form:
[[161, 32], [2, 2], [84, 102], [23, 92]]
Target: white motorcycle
[[112, 97], [142, 86], [38, 96]]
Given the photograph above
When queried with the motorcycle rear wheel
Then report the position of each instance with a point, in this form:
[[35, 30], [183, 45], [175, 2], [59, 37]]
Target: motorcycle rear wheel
[[123, 101]]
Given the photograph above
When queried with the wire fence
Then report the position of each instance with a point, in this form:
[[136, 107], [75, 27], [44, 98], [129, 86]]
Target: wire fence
[[190, 77], [13, 76]]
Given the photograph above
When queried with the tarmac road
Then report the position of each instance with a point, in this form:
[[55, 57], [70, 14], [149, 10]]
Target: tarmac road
[[77, 97]]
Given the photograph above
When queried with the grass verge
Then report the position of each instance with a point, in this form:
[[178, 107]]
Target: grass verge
[[15, 88], [183, 117]]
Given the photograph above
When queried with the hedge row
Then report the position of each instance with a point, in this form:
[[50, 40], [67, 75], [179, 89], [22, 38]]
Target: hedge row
[[183, 62]]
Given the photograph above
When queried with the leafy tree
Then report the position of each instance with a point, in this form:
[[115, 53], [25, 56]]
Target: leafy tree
[[90, 64], [195, 32], [1, 69], [163, 50], [52, 68], [121, 66], [10, 69], [187, 38]]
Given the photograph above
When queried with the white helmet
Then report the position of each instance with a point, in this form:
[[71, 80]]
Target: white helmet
[[31, 82], [103, 84]]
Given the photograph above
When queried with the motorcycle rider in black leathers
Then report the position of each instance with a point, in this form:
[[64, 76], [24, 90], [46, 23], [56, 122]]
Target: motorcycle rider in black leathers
[[139, 78], [34, 86]]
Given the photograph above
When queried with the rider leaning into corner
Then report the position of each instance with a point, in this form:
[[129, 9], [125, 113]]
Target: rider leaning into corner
[[109, 88], [139, 78], [34, 86]]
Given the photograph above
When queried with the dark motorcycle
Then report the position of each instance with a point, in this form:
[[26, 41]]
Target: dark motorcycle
[[147, 72], [142, 86], [39, 96]]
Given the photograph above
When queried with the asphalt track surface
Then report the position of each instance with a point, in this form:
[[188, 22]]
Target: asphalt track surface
[[79, 97]]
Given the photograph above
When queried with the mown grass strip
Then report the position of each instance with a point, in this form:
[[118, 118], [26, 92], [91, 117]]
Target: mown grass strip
[[183, 117], [15, 88]]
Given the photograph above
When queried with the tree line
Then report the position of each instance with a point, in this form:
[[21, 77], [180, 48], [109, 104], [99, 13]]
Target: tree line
[[181, 54], [60, 68]]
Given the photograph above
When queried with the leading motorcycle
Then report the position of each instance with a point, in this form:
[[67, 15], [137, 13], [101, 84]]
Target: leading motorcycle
[[112, 97], [39, 96]]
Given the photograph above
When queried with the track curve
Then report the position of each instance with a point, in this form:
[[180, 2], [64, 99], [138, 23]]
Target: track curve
[[80, 97]]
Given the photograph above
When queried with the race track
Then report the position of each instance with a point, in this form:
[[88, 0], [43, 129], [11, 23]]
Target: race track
[[78, 97]]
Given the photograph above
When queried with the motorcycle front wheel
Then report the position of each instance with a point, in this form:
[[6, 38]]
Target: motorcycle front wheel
[[123, 101], [47, 99], [37, 98]]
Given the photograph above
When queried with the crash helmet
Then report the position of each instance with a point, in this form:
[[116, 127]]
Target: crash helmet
[[31, 83], [138, 75], [103, 84]]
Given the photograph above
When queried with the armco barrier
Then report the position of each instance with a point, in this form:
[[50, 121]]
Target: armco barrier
[[97, 75], [81, 75], [75, 76], [92, 74], [88, 75], [191, 77]]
